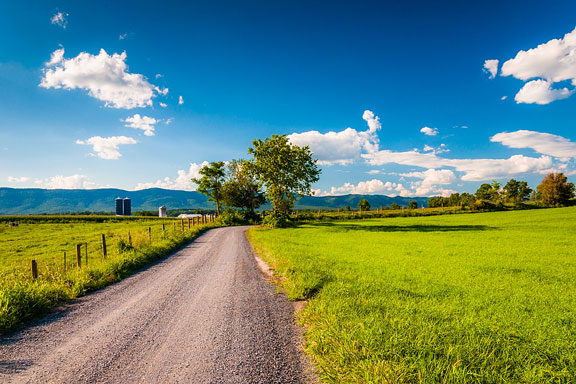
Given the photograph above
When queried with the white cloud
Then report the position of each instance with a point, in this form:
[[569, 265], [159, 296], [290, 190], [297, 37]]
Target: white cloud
[[67, 182], [503, 97], [122, 36], [163, 105], [431, 178], [144, 123], [104, 76], [56, 57], [182, 182], [545, 143], [161, 91], [107, 147], [473, 169], [541, 92], [369, 187], [551, 62], [180, 100], [169, 121], [60, 19], [342, 147], [491, 67], [429, 131], [23, 179]]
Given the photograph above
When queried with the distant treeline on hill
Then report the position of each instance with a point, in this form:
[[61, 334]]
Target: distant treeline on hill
[[554, 190], [14, 201]]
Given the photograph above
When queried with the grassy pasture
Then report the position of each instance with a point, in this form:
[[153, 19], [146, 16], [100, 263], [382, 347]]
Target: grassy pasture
[[46, 240], [480, 298]]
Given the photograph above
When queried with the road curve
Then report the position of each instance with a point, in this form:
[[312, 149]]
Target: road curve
[[203, 315]]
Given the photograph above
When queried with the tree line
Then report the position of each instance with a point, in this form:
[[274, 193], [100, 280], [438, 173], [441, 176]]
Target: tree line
[[553, 191]]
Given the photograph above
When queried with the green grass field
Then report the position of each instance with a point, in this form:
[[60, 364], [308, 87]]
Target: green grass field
[[480, 298], [45, 239]]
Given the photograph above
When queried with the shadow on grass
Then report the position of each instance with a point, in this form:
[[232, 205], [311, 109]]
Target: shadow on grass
[[404, 228]]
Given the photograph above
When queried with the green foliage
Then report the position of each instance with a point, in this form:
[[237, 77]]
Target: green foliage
[[417, 300], [235, 217], [241, 190], [284, 170], [395, 206], [412, 205], [555, 190], [211, 182], [363, 205]]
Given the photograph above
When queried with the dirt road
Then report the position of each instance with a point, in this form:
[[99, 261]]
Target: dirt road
[[203, 315]]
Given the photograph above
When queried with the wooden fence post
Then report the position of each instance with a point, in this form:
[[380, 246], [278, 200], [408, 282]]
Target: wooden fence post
[[182, 224], [34, 266], [78, 255], [163, 228], [188, 223], [150, 235], [129, 239], [104, 253]]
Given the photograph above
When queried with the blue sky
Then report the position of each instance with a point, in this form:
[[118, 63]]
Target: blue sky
[[398, 98]]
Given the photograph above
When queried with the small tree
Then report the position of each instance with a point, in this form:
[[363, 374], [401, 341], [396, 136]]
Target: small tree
[[483, 193], [412, 204], [210, 184], [394, 206], [555, 189], [363, 205], [285, 170]]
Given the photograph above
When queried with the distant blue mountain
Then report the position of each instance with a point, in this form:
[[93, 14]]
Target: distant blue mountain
[[25, 201]]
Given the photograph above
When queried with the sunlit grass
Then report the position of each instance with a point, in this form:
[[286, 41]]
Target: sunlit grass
[[482, 298], [129, 248]]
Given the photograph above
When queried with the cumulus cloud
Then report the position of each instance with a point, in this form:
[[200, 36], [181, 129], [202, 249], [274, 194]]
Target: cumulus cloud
[[22, 179], [473, 169], [369, 187], [60, 19], [491, 67], [56, 57], [549, 63], [104, 76], [107, 147], [67, 182], [544, 143], [429, 131], [541, 92], [431, 179], [342, 147], [180, 100], [144, 123], [182, 182]]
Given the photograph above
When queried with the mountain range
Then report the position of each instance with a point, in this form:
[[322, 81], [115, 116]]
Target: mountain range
[[25, 201]]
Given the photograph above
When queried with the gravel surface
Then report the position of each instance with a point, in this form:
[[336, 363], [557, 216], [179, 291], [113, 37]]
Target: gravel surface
[[203, 315]]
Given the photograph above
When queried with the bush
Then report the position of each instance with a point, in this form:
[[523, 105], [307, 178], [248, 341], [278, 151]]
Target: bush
[[235, 217]]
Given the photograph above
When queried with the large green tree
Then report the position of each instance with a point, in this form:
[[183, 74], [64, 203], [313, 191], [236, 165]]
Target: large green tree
[[284, 170], [211, 181], [241, 189], [555, 189]]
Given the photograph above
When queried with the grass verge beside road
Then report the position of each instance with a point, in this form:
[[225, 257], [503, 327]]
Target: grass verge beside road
[[129, 249], [483, 298]]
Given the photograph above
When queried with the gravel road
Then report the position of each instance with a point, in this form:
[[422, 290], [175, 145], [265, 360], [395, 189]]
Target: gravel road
[[203, 315]]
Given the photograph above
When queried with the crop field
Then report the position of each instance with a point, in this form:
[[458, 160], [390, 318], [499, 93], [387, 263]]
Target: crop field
[[130, 245], [478, 298]]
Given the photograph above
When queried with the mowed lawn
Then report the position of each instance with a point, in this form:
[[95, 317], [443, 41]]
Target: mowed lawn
[[477, 298]]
